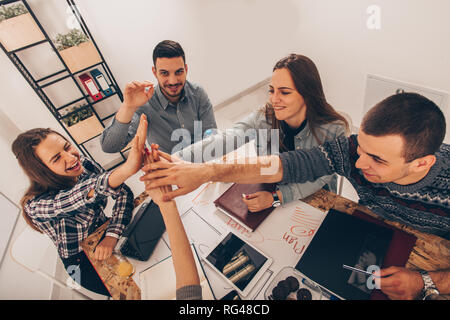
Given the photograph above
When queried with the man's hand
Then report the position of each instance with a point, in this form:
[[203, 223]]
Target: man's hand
[[400, 283], [137, 94], [258, 201], [168, 158], [105, 248], [187, 176]]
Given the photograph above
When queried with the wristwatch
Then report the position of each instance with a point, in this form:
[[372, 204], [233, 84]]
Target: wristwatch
[[276, 201], [429, 288]]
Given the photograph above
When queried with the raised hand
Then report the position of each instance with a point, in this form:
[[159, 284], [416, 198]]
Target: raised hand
[[137, 94], [169, 158], [173, 171], [135, 157], [155, 193]]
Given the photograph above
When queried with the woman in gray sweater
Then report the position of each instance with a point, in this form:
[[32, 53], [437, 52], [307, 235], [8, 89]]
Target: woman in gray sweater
[[297, 116]]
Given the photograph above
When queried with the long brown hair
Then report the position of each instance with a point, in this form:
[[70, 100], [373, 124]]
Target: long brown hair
[[307, 82], [42, 179]]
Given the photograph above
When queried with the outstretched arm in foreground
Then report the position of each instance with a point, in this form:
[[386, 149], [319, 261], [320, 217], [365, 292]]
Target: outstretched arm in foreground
[[183, 259], [189, 176]]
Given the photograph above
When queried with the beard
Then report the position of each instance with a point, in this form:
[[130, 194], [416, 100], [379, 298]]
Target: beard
[[173, 94]]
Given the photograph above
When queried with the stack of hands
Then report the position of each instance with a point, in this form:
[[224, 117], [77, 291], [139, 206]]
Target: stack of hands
[[162, 170], [151, 157]]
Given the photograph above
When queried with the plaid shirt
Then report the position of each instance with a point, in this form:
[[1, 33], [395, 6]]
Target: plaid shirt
[[66, 216]]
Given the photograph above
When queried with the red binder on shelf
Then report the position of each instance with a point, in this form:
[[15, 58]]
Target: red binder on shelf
[[230, 203], [90, 86]]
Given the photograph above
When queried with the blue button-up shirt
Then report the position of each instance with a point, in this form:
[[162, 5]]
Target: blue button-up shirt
[[170, 126]]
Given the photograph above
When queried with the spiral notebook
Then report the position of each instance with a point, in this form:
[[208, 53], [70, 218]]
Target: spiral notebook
[[230, 203]]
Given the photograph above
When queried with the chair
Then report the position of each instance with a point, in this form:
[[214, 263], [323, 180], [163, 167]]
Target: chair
[[29, 250]]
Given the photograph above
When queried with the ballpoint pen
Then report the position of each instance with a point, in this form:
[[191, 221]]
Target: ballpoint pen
[[359, 270]]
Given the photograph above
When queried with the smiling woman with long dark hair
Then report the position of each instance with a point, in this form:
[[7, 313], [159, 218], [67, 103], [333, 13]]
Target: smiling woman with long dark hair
[[298, 109], [306, 89], [67, 195]]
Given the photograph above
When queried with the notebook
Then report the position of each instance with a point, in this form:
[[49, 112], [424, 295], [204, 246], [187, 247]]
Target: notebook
[[345, 239], [230, 202], [159, 282]]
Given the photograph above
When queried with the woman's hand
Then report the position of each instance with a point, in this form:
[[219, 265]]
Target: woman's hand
[[158, 193], [150, 157], [105, 248], [135, 157], [170, 158], [258, 201]]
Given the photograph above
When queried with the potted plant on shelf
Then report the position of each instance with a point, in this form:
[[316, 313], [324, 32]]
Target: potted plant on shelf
[[81, 123], [17, 27], [77, 50]]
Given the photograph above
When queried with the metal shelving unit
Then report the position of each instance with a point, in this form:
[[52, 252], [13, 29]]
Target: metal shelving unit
[[40, 84]]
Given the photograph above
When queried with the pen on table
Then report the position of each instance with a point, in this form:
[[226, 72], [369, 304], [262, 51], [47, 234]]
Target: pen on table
[[327, 294], [359, 270]]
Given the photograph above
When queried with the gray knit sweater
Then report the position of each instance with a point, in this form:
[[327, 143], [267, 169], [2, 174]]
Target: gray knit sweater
[[192, 292], [424, 205], [242, 131]]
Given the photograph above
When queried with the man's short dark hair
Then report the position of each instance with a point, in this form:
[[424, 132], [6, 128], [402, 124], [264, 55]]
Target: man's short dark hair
[[168, 49], [418, 120]]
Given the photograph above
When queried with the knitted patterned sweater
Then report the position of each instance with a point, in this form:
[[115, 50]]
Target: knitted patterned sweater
[[424, 205]]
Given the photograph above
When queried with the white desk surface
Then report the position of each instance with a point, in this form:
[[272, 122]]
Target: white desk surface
[[283, 236]]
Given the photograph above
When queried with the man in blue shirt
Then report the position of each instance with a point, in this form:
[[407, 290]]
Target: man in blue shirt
[[178, 111]]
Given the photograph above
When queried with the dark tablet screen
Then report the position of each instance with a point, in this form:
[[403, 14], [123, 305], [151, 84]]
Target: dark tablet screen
[[236, 260], [344, 239]]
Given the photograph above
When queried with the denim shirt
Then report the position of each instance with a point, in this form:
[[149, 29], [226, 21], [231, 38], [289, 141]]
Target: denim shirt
[[257, 120], [163, 119]]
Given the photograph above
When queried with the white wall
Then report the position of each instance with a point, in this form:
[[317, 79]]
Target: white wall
[[411, 46], [229, 45]]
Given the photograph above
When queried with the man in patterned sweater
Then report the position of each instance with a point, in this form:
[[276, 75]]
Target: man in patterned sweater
[[397, 163]]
